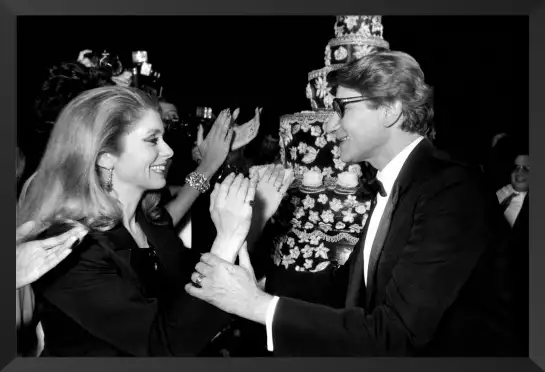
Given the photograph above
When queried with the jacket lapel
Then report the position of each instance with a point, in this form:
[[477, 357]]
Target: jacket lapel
[[414, 168], [355, 278], [121, 242], [355, 287], [380, 238]]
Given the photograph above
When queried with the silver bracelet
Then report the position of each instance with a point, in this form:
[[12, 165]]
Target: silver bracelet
[[198, 182]]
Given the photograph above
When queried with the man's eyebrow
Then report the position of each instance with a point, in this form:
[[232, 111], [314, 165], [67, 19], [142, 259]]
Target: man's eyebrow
[[154, 131]]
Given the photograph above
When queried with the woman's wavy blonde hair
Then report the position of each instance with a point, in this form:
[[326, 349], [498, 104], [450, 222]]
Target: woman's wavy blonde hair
[[68, 186]]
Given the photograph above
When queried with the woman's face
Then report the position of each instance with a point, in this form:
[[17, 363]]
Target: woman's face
[[143, 160]]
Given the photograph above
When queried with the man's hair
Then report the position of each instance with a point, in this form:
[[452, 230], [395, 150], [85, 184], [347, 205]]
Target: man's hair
[[386, 77]]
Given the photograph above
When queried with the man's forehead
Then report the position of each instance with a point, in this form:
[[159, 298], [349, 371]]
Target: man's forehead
[[522, 160], [343, 92]]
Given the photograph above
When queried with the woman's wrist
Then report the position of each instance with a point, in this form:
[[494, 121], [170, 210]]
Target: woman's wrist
[[206, 170], [227, 247]]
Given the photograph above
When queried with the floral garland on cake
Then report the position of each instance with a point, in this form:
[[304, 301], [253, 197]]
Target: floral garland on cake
[[319, 223]]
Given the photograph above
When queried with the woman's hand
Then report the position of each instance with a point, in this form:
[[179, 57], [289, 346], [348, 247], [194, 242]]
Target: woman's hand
[[245, 262], [195, 152], [271, 187], [231, 212], [217, 144], [35, 258]]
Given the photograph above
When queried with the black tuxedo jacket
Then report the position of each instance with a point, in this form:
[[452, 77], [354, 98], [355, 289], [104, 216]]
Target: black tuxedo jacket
[[440, 285], [520, 245], [92, 303]]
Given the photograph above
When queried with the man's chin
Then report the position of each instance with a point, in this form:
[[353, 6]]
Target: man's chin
[[520, 188], [347, 158]]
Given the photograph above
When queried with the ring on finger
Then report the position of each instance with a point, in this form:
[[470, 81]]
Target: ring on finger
[[198, 281]]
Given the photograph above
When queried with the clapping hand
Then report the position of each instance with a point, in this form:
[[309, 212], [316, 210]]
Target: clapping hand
[[216, 146], [35, 258], [272, 184], [231, 211]]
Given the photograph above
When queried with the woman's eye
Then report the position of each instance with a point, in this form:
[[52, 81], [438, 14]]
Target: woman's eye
[[153, 140]]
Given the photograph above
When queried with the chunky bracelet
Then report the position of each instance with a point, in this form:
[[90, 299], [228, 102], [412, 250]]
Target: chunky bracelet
[[198, 182]]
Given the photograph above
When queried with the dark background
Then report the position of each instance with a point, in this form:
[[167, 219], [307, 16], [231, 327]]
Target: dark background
[[478, 65]]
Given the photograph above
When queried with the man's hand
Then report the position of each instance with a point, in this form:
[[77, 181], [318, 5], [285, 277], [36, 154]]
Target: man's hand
[[230, 288]]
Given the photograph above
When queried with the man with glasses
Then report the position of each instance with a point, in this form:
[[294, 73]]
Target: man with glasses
[[429, 276]]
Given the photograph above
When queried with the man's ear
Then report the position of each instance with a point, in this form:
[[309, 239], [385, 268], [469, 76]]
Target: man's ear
[[106, 161], [392, 113]]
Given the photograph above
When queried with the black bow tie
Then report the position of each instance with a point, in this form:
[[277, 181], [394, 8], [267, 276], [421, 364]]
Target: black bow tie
[[376, 187]]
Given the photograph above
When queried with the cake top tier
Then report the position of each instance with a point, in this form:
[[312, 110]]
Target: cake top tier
[[359, 29]]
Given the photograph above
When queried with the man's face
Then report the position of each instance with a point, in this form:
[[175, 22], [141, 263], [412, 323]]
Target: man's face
[[361, 131], [520, 176]]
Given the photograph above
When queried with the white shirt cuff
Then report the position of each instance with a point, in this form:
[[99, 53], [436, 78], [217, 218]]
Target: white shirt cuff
[[269, 321]]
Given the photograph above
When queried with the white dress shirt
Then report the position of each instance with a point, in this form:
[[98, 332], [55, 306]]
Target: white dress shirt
[[387, 176], [512, 211], [185, 232]]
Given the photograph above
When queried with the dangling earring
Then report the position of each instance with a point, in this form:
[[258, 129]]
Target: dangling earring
[[109, 181]]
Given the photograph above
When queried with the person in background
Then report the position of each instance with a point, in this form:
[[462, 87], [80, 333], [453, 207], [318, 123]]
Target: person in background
[[180, 163], [499, 159], [270, 149], [514, 200], [514, 196]]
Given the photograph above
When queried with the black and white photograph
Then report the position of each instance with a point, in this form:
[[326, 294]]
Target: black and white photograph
[[272, 186]]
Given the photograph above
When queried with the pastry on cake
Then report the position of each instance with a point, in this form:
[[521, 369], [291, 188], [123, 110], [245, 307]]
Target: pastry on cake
[[347, 179], [312, 179]]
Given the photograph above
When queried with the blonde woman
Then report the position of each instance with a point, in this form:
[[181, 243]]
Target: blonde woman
[[121, 290]]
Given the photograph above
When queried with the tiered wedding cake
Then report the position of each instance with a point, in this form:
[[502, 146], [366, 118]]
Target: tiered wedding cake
[[325, 208]]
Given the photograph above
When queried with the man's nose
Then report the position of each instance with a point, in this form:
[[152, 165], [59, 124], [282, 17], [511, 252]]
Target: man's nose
[[332, 124]]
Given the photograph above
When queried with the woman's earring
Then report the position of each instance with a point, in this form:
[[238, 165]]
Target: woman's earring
[[109, 181]]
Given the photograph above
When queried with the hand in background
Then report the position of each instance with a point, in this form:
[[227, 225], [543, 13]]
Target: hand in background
[[216, 146], [272, 185], [35, 258]]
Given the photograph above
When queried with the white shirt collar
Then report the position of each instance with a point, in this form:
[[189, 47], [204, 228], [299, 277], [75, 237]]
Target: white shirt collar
[[389, 174], [509, 189]]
